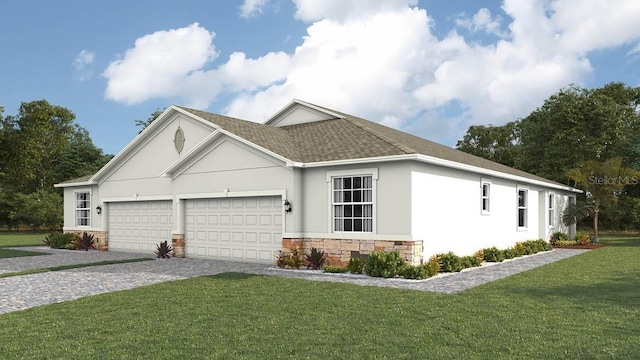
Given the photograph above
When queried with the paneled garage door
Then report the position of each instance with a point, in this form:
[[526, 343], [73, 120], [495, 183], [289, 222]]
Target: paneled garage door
[[139, 226], [242, 229]]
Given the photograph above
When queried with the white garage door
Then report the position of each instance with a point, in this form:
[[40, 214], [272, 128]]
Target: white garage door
[[139, 226], [242, 229]]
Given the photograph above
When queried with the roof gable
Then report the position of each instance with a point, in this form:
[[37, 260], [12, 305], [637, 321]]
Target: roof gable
[[300, 112]]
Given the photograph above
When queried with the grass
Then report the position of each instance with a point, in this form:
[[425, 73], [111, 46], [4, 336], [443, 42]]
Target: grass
[[9, 253], [587, 306], [21, 239], [73, 266]]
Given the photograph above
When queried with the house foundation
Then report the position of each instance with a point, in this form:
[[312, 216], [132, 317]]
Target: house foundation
[[339, 251], [101, 237]]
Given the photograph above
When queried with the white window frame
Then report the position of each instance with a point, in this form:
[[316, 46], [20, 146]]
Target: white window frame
[[551, 197], [331, 175], [485, 197], [77, 209], [524, 208]]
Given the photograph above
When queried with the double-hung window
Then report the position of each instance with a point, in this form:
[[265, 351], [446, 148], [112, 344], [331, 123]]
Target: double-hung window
[[550, 210], [352, 203], [83, 208], [522, 208], [485, 196]]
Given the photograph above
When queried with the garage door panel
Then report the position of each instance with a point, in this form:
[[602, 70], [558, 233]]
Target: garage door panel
[[243, 229], [139, 226]]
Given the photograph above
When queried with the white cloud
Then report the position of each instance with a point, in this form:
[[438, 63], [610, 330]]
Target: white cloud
[[381, 60], [250, 8], [482, 21], [343, 10], [81, 62], [159, 64]]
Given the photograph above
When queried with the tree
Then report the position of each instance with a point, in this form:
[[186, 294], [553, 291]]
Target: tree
[[603, 183], [145, 123], [496, 143], [577, 125], [40, 146]]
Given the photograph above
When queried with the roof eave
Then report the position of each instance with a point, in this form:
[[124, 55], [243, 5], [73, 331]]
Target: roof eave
[[445, 163]]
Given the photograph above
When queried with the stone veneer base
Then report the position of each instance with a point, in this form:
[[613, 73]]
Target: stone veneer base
[[101, 237], [339, 251]]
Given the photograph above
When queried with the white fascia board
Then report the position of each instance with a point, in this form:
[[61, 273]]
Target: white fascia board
[[78, 184], [441, 162], [499, 174]]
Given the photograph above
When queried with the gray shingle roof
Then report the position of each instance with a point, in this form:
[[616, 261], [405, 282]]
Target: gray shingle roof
[[347, 138]]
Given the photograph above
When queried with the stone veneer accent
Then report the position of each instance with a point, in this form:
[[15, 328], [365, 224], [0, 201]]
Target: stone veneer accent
[[177, 241], [102, 238], [339, 251]]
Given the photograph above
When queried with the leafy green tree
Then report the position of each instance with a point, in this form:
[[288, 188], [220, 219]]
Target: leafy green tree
[[496, 143], [145, 123], [41, 209], [603, 182], [577, 125]]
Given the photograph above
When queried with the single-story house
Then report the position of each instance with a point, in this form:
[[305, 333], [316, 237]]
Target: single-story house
[[224, 188]]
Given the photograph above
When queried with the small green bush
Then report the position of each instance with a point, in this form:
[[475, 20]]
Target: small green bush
[[415, 272], [470, 261], [509, 253], [334, 269], [61, 241], [558, 236], [520, 249], [355, 265], [493, 254], [433, 266], [567, 243], [384, 264], [582, 238], [449, 262]]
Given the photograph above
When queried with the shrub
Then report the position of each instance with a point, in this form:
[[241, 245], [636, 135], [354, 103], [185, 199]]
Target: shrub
[[334, 269], [85, 242], [520, 249], [492, 254], [355, 265], [566, 243], [315, 259], [384, 264], [433, 266], [582, 238], [297, 259], [470, 261], [164, 250], [449, 262], [509, 253], [60, 240], [415, 272], [558, 236], [294, 258], [282, 259], [47, 239], [479, 255]]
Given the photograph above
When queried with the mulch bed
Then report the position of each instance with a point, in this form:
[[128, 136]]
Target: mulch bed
[[586, 247]]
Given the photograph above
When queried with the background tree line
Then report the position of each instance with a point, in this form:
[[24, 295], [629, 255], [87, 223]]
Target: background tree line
[[574, 127], [39, 147]]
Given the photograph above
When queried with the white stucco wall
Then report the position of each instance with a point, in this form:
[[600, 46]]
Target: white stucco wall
[[447, 211]]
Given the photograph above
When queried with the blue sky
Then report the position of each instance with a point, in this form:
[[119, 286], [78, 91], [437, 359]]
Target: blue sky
[[431, 68]]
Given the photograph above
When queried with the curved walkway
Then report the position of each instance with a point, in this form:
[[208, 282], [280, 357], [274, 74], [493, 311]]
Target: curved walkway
[[27, 291]]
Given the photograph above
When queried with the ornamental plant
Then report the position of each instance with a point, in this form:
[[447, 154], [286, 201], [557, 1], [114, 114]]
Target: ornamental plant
[[164, 250]]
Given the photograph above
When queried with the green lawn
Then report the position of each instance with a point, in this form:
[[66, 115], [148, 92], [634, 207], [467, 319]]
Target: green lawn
[[587, 306], [21, 239]]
